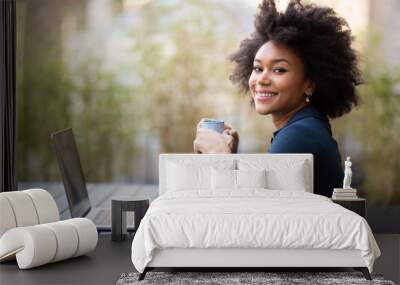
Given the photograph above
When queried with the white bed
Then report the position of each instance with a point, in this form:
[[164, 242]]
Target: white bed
[[247, 210]]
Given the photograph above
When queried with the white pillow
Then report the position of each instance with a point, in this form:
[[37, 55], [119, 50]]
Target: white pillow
[[225, 179], [183, 178], [193, 174], [281, 174], [251, 178], [293, 179]]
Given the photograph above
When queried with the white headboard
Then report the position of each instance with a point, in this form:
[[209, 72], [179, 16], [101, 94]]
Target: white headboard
[[164, 158]]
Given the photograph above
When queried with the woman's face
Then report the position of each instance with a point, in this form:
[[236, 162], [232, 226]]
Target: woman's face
[[277, 83]]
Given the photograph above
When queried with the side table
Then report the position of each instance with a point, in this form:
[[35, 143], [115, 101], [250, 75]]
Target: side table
[[119, 206], [358, 205]]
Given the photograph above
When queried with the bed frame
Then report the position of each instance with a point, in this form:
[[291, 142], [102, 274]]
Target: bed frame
[[246, 258], [242, 259]]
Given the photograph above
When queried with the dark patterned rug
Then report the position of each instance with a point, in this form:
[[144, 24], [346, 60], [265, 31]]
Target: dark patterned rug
[[229, 278]]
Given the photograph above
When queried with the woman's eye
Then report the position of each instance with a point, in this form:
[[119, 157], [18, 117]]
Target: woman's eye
[[257, 69], [279, 70]]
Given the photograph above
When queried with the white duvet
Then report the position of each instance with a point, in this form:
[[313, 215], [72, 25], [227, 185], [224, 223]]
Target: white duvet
[[250, 219]]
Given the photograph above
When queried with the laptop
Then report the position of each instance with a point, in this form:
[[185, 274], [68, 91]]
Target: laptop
[[75, 185]]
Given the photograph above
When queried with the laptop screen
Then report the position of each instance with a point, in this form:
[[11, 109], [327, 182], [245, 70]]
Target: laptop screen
[[71, 172]]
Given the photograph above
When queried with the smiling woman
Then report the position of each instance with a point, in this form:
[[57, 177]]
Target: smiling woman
[[278, 83], [299, 67]]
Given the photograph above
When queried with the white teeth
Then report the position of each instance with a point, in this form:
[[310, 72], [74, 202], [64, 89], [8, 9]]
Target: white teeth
[[266, 94]]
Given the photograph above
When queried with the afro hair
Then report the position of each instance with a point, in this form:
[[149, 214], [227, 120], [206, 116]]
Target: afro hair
[[320, 38]]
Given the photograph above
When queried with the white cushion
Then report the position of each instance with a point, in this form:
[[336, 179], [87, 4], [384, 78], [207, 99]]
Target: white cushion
[[223, 179], [251, 178], [182, 177], [40, 244], [23, 208], [193, 175], [281, 174], [66, 237], [31, 246], [291, 179], [7, 218], [45, 206], [26, 208], [87, 235], [226, 179], [34, 244]]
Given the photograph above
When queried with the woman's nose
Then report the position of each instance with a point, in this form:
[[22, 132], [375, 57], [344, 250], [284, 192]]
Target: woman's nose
[[264, 78]]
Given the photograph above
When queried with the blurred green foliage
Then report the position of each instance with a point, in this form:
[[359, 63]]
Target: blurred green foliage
[[178, 72], [105, 133], [374, 126], [181, 73], [377, 126], [50, 100], [43, 106]]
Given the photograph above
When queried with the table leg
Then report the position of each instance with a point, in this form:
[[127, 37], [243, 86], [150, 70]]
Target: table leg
[[117, 221], [140, 211]]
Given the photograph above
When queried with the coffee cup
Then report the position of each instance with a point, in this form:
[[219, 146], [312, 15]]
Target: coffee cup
[[213, 124]]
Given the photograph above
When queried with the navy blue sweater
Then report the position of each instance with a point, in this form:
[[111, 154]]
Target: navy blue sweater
[[308, 131]]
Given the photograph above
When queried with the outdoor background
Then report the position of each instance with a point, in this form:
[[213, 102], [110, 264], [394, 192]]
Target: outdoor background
[[133, 78]]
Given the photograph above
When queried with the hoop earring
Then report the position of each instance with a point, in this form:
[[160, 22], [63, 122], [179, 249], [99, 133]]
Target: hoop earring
[[308, 97]]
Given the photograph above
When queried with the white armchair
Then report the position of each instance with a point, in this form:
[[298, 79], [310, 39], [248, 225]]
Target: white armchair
[[31, 233]]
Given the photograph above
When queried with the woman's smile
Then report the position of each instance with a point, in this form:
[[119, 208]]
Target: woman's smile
[[265, 97]]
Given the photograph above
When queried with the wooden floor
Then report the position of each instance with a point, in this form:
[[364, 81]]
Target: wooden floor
[[102, 266], [100, 194]]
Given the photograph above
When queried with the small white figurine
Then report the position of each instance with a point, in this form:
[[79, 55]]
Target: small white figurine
[[347, 174]]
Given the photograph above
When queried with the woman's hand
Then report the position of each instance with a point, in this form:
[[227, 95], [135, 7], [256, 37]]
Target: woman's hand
[[209, 141], [233, 142]]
